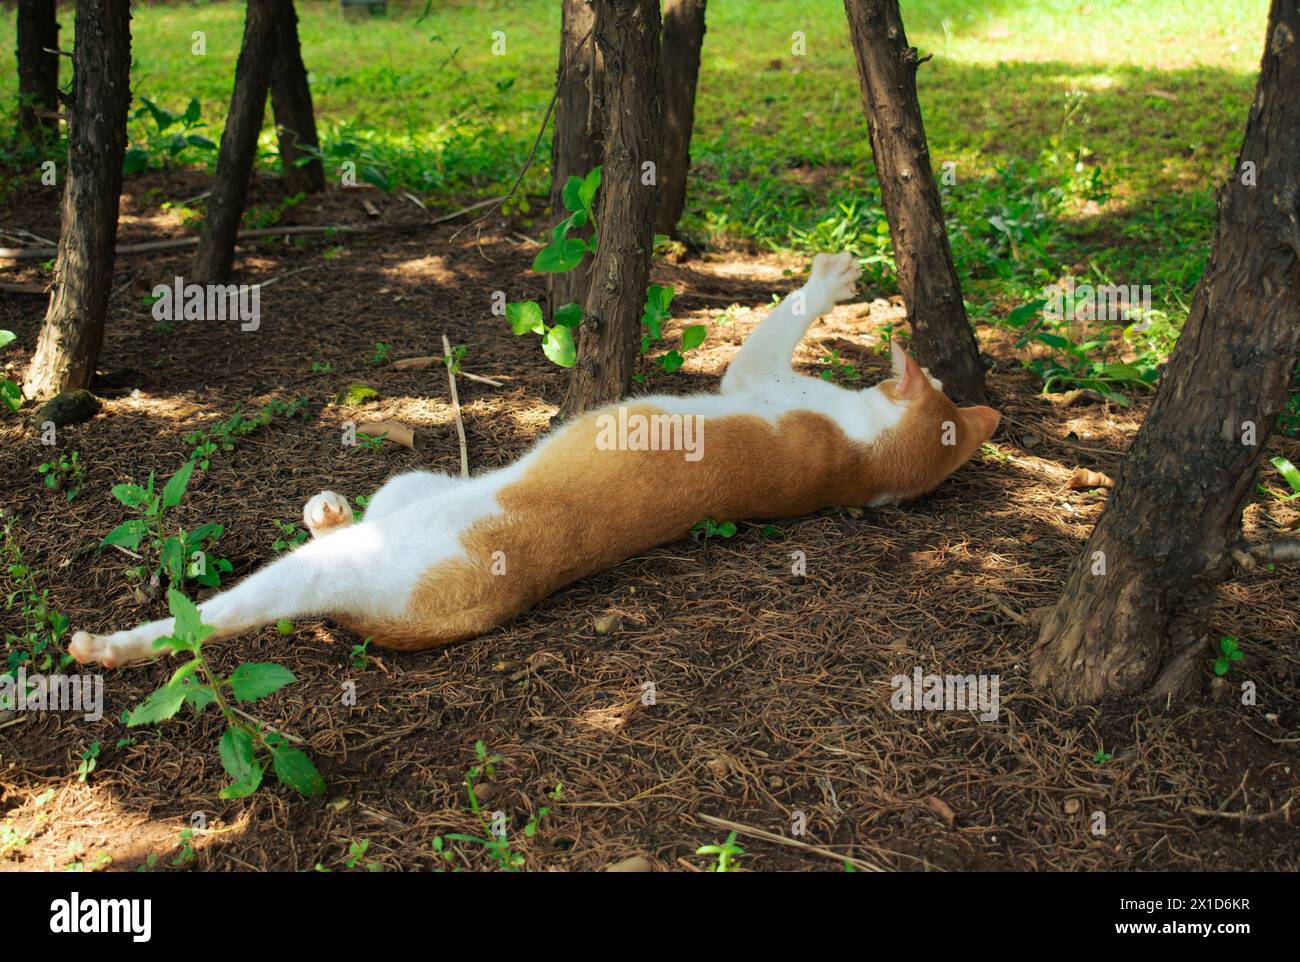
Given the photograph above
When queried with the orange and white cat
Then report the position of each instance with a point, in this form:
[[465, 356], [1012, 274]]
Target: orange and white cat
[[439, 558]]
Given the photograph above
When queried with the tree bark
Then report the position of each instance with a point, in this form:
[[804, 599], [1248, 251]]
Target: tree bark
[[70, 339], [683, 38], [627, 33], [1175, 513], [578, 141], [926, 274], [295, 118], [216, 252], [38, 71]]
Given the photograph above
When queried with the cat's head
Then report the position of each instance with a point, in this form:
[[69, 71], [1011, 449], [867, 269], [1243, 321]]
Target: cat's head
[[935, 436]]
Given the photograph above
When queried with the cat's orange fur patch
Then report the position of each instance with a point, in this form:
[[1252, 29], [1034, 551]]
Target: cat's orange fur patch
[[580, 510]]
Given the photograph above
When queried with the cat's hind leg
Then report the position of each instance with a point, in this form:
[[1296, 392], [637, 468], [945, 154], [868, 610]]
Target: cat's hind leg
[[405, 489], [334, 575]]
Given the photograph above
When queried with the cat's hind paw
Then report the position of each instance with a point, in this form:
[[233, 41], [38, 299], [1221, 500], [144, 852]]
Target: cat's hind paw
[[835, 274], [92, 649], [325, 512]]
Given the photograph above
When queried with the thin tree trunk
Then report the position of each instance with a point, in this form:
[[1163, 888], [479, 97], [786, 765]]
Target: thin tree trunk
[[627, 32], [926, 275], [578, 141], [683, 38], [38, 71], [73, 332], [216, 251], [291, 100], [1138, 624]]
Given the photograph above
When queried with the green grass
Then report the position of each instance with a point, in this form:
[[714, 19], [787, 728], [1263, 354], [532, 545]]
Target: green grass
[[1093, 133]]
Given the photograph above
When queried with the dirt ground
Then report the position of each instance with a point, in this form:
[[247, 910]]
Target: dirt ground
[[772, 692]]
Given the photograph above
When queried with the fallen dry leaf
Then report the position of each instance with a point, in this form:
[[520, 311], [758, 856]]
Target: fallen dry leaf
[[940, 808], [394, 431], [1083, 479]]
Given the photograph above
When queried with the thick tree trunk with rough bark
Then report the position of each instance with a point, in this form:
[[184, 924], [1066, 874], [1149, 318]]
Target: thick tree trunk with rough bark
[[683, 38], [926, 274], [578, 140], [1131, 619], [295, 118], [216, 251], [627, 33], [38, 70], [73, 332]]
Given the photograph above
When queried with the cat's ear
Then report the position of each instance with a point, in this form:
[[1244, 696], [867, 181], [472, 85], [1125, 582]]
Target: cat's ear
[[983, 420], [907, 373]]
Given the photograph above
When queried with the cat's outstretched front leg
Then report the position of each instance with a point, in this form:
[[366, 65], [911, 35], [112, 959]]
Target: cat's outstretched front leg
[[768, 350]]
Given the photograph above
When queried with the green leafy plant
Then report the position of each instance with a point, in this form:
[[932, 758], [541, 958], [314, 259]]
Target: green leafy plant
[[89, 758], [453, 359], [653, 317], [381, 354], [36, 638], [358, 656], [708, 528], [63, 473], [268, 215], [186, 854], [178, 557], [728, 854], [357, 855], [1230, 652], [496, 845], [1290, 474], [838, 372], [1101, 757], [11, 395], [173, 137], [290, 536], [249, 747], [227, 435], [1090, 364]]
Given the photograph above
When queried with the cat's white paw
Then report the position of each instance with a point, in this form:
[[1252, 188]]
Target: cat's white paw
[[325, 512], [834, 275], [92, 649]]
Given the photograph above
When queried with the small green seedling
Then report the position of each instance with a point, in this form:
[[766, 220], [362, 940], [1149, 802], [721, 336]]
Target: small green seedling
[[357, 854], [290, 536], [180, 557], [1101, 757], [453, 359], [381, 354], [89, 758], [358, 656], [11, 395], [728, 854], [63, 473], [1230, 652], [838, 372], [35, 639], [708, 528]]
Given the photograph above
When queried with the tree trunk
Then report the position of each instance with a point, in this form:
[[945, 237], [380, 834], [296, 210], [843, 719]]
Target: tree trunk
[[683, 37], [70, 339], [38, 71], [578, 141], [291, 100], [216, 251], [627, 33], [926, 275], [1137, 625]]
